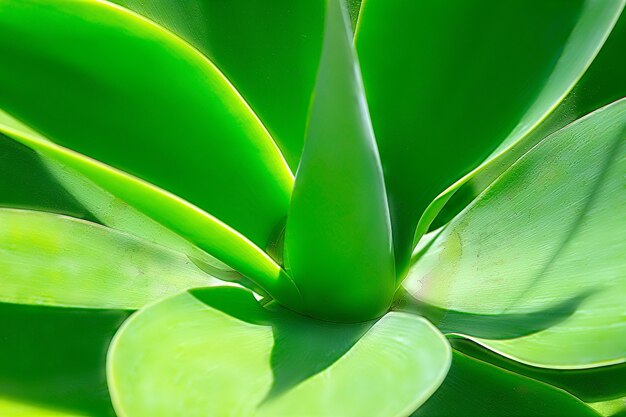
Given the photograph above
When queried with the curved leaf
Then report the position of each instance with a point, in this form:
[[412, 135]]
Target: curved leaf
[[269, 50], [225, 355], [602, 83], [339, 204], [447, 82], [20, 409], [55, 357], [547, 231], [612, 408], [590, 385], [475, 388], [83, 75], [56, 260]]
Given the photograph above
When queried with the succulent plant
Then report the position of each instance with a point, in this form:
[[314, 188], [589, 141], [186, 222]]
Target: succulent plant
[[311, 208]]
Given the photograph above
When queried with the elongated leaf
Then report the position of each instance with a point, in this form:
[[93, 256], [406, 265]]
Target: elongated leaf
[[475, 388], [182, 218], [338, 236], [612, 408], [603, 83], [549, 230], [590, 385], [56, 260], [268, 49], [84, 75], [55, 358], [448, 81], [225, 355]]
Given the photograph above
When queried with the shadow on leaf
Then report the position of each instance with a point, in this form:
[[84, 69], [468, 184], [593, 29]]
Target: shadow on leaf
[[303, 347], [490, 326]]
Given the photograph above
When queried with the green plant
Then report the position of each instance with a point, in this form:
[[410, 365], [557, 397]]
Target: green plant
[[459, 253]]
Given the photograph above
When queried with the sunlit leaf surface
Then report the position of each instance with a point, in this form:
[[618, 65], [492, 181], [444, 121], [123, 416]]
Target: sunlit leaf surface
[[56, 260], [548, 231], [225, 355]]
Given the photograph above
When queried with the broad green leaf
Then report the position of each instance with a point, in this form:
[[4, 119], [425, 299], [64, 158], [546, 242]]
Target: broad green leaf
[[117, 214], [56, 260], [590, 385], [55, 357], [14, 408], [448, 81], [188, 221], [268, 49], [475, 388], [602, 83], [95, 78], [548, 230], [338, 236], [225, 355], [25, 183]]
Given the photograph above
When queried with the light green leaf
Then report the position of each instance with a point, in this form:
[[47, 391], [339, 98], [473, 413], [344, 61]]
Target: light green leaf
[[448, 81], [548, 230], [338, 236], [475, 388], [612, 408], [51, 259], [83, 75], [13, 408], [268, 49], [224, 355]]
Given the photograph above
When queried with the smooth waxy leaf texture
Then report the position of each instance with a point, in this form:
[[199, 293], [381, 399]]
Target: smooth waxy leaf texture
[[225, 355], [269, 50], [602, 83], [338, 240], [183, 128], [448, 81], [549, 230], [56, 260], [475, 388], [184, 219]]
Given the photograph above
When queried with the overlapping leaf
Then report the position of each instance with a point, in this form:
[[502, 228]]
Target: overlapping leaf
[[447, 82], [338, 236], [183, 127], [56, 260], [547, 231], [224, 354]]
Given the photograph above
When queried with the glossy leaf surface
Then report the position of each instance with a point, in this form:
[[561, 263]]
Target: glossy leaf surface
[[56, 260], [448, 81], [601, 84], [14, 408], [475, 388], [548, 231], [225, 355], [590, 385], [339, 205], [268, 50], [182, 127], [184, 219]]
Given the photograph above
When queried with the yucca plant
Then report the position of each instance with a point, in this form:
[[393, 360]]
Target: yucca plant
[[221, 208]]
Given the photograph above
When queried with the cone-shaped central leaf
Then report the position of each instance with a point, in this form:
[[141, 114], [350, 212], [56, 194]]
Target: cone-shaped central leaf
[[338, 238]]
